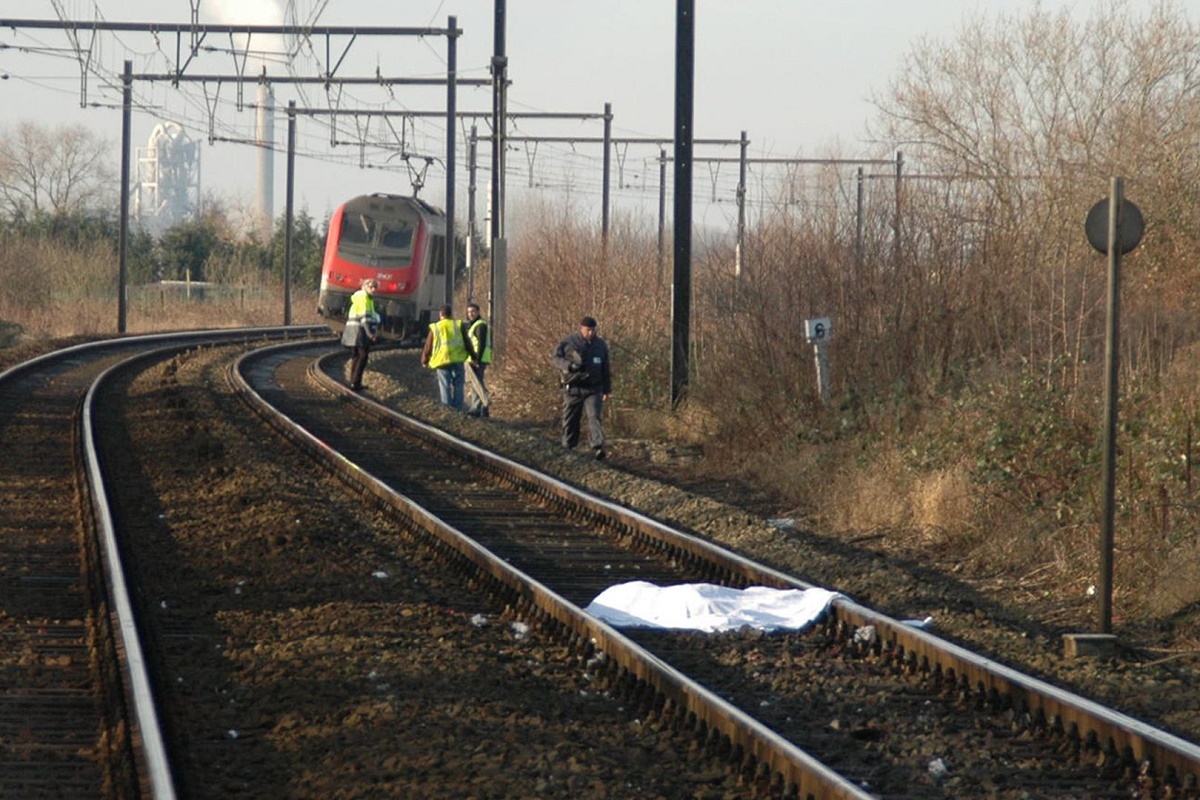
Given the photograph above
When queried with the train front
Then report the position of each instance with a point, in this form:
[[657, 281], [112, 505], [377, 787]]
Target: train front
[[376, 236]]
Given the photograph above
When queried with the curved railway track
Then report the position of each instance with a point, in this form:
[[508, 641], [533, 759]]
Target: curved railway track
[[850, 708], [283, 667], [549, 548], [66, 728]]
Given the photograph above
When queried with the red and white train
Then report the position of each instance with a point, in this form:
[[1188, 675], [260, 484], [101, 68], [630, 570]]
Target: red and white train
[[399, 241]]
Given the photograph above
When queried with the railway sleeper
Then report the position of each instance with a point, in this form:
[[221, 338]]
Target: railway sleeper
[[1168, 786]]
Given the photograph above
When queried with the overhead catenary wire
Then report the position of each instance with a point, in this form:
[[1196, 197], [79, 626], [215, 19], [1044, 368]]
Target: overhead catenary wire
[[561, 161]]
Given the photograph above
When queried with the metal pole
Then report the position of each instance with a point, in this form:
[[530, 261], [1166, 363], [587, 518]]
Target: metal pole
[[498, 263], [822, 362], [607, 177], [858, 224], [451, 135], [739, 247], [1112, 362], [662, 211], [289, 214], [499, 78], [123, 244], [471, 153], [264, 141], [896, 225], [685, 44]]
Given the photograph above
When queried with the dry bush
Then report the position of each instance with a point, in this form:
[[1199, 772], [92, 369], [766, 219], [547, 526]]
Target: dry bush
[[50, 288], [22, 294], [1157, 530], [855, 500], [1165, 582], [876, 492], [237, 307], [74, 293], [562, 259], [942, 502]]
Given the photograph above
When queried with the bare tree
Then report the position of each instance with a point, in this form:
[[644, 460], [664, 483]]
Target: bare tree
[[1036, 112], [46, 170]]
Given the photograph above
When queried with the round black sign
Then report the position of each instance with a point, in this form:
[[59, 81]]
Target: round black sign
[[1129, 230]]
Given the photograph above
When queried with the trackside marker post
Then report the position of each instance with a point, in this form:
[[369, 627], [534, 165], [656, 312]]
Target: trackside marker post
[[819, 333], [1114, 226]]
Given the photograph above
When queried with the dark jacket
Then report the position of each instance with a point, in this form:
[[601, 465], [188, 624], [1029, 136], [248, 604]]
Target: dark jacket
[[583, 365]]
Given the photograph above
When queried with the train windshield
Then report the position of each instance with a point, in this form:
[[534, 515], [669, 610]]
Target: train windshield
[[378, 231], [396, 237], [358, 229]]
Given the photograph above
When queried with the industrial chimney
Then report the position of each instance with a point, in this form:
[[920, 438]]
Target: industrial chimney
[[265, 138]]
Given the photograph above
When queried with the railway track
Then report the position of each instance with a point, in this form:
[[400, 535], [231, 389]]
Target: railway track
[[549, 549], [826, 713], [67, 727], [283, 666]]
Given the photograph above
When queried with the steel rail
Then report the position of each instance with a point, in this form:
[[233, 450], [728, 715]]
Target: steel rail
[[153, 751], [39, 362]]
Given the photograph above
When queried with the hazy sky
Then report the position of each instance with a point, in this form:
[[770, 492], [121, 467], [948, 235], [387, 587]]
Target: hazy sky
[[796, 76]]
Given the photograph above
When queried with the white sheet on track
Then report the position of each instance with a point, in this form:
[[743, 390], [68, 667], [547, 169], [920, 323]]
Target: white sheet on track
[[709, 608]]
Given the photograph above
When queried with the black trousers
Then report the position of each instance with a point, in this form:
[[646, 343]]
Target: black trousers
[[358, 361], [574, 407]]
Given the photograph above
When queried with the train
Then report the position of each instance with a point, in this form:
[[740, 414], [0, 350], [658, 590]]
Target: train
[[399, 241]]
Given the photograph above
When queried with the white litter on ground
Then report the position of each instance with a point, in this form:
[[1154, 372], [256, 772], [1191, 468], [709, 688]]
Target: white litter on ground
[[709, 608]]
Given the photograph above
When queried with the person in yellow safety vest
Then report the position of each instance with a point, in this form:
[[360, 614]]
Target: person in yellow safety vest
[[446, 352], [360, 332], [479, 351]]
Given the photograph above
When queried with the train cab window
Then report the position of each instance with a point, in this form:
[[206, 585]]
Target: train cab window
[[358, 229], [398, 237], [437, 258]]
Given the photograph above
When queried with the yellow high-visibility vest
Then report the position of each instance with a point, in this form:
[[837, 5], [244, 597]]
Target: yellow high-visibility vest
[[448, 344], [362, 307], [484, 351]]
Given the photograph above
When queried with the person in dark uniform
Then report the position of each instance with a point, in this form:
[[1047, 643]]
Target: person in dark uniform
[[582, 362]]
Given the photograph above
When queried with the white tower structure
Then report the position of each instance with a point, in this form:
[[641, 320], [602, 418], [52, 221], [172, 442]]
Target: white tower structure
[[168, 178], [265, 138]]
